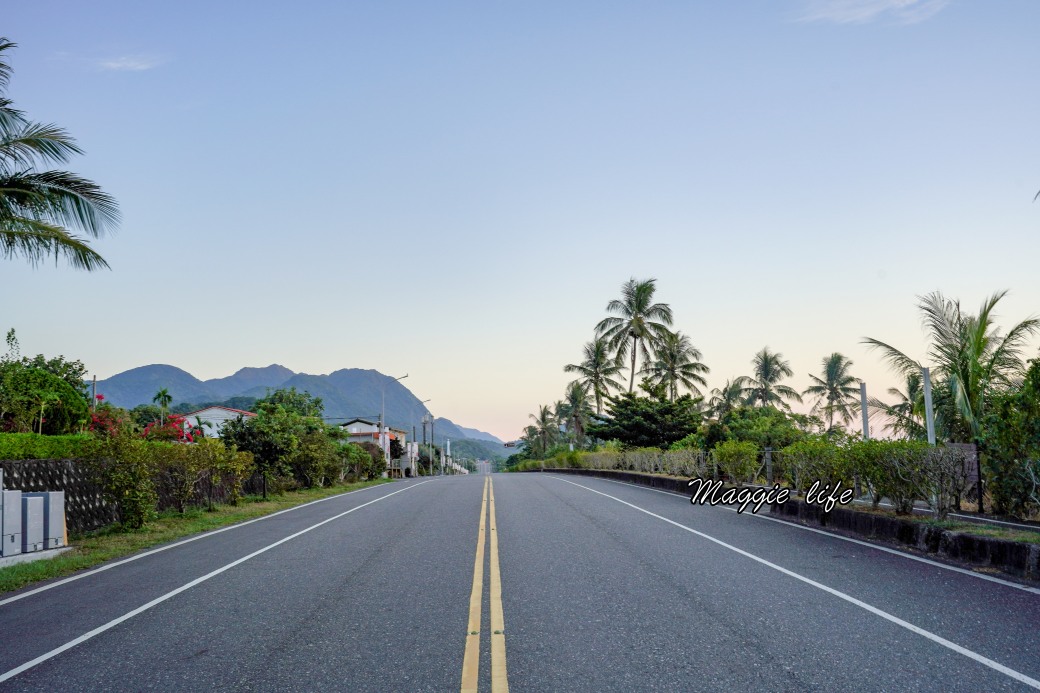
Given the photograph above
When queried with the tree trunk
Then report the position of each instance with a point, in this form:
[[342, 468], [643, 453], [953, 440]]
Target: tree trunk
[[632, 379]]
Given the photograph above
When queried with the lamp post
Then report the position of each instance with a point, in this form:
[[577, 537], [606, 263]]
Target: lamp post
[[383, 442]]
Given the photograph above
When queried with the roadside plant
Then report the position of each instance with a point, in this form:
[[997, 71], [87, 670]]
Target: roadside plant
[[738, 460]]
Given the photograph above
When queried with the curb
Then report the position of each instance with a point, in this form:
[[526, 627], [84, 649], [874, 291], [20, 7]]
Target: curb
[[1012, 557]]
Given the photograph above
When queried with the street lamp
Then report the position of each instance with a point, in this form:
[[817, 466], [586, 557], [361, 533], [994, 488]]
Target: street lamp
[[383, 442]]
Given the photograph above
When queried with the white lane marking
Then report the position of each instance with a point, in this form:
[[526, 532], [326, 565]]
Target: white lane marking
[[997, 666], [204, 535], [894, 552], [974, 520], [187, 586]]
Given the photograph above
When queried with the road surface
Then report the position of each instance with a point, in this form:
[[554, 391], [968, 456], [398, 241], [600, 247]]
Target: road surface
[[525, 582]]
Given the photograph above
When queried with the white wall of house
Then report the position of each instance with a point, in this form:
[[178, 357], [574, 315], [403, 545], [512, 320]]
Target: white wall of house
[[217, 416]]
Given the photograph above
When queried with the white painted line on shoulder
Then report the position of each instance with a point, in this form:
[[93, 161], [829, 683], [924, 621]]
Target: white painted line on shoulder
[[869, 545], [151, 552], [187, 586], [996, 666]]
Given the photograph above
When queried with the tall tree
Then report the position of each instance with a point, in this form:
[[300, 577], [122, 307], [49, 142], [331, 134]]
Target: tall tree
[[545, 426], [163, 399], [677, 362], [972, 359], [636, 323], [728, 397], [597, 371], [764, 387], [905, 418], [41, 208], [577, 413], [835, 392]]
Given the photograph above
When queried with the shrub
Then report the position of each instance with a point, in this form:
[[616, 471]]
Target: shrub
[[124, 470], [811, 460], [891, 468], [737, 459], [33, 446]]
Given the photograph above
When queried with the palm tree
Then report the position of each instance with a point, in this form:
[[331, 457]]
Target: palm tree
[[728, 397], [546, 430], [597, 371], [834, 392], [764, 385], [39, 207], [973, 360], [576, 413], [637, 318], [677, 362], [906, 416], [163, 399]]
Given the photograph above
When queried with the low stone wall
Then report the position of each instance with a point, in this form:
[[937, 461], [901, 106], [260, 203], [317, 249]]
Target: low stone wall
[[1012, 557]]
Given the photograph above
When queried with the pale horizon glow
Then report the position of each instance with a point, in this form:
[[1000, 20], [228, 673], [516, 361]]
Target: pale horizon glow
[[456, 192]]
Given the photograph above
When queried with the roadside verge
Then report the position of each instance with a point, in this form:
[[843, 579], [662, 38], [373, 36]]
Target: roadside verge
[[1016, 558]]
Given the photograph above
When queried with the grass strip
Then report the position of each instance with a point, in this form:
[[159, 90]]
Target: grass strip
[[104, 545]]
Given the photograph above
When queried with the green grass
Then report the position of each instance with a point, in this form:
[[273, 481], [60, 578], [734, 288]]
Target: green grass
[[1020, 535], [105, 545]]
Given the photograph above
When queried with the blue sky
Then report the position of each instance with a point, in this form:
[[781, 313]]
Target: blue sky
[[456, 189]]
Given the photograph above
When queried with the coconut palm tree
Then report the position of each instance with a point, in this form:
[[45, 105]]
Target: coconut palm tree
[[636, 323], [906, 417], [835, 392], [576, 413], [163, 399], [973, 359], [546, 429], [728, 397], [677, 362], [40, 208], [763, 387], [597, 371]]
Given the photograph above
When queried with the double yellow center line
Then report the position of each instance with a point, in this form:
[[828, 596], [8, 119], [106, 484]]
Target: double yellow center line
[[471, 660]]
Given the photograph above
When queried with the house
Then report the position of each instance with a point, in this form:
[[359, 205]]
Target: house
[[216, 416], [365, 431]]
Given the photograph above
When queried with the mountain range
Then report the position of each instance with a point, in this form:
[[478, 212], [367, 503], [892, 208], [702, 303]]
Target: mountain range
[[346, 394]]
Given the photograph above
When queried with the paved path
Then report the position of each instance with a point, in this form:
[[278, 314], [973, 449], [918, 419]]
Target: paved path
[[591, 585]]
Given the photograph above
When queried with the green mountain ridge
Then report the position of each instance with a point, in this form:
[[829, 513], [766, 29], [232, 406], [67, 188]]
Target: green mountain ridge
[[347, 393]]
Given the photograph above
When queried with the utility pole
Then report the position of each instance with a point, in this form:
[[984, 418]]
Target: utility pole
[[863, 408], [929, 417], [384, 443]]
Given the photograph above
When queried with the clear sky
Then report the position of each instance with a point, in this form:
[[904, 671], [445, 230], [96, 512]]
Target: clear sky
[[455, 190]]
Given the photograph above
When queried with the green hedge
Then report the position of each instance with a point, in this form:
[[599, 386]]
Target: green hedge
[[33, 446]]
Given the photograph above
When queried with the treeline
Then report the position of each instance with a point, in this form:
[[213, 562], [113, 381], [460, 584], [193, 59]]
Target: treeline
[[150, 459], [985, 394]]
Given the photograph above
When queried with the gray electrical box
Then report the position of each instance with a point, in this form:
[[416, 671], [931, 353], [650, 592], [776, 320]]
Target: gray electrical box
[[53, 517], [10, 523], [32, 524]]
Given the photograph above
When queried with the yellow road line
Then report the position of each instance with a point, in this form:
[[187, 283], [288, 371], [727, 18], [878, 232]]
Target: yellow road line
[[471, 660], [499, 679]]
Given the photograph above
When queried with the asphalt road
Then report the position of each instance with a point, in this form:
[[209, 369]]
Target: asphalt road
[[604, 587]]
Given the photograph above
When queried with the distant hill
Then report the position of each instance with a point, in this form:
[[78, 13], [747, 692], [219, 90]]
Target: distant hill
[[139, 385], [245, 378], [479, 435], [346, 394]]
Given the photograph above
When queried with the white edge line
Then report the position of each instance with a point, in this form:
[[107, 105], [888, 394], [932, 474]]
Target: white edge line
[[832, 535], [204, 535], [187, 586], [1018, 676]]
